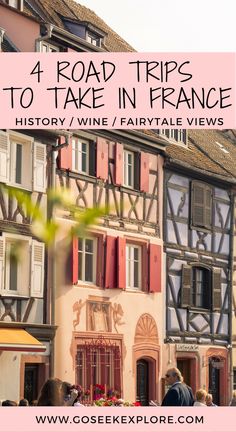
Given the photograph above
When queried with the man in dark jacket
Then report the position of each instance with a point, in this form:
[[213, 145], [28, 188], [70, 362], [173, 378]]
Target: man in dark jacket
[[179, 394]]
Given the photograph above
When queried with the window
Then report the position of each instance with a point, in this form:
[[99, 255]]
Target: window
[[87, 260], [178, 135], [93, 39], [201, 199], [98, 363], [21, 266], [22, 161], [48, 48], [80, 156], [17, 4], [201, 287], [128, 168], [133, 267]]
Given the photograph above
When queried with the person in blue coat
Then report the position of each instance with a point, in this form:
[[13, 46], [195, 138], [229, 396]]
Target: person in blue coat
[[179, 394]]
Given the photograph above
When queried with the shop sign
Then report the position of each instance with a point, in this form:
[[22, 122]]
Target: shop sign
[[187, 347]]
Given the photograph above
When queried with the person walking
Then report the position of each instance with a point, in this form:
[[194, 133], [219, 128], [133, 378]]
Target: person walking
[[201, 395], [179, 394]]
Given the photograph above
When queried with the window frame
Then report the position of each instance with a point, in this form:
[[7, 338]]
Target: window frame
[[77, 161], [126, 154], [88, 344], [82, 263], [50, 48], [92, 37], [207, 219], [129, 266], [26, 142], [19, 4], [11, 239], [205, 297], [212, 300]]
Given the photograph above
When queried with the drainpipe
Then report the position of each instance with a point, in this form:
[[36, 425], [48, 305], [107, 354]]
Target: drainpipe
[[52, 254], [48, 35], [231, 311]]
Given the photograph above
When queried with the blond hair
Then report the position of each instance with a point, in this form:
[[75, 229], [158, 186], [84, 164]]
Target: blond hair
[[201, 395], [209, 397]]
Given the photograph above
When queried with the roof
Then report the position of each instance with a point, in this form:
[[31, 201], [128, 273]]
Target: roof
[[54, 11], [209, 152]]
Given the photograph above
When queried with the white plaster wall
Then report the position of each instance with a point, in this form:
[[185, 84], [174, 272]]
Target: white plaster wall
[[9, 375]]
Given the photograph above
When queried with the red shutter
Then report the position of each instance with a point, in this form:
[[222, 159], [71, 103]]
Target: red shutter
[[118, 164], [65, 155], [100, 261], [155, 268], [111, 263], [75, 260], [144, 172], [144, 268], [102, 158], [121, 279]]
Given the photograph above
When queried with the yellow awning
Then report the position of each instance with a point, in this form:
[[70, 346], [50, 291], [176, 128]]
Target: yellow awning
[[12, 339]]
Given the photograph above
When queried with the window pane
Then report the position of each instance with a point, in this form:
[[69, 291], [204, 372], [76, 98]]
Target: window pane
[[130, 179], [89, 245], [80, 276], [84, 162], [136, 274], [80, 244], [136, 254], [18, 178], [13, 272], [89, 268], [94, 367]]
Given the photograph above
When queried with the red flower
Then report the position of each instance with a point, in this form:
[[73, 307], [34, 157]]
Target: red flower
[[137, 404]]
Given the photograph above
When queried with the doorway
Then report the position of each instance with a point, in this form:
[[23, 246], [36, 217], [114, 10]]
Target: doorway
[[184, 365], [142, 395], [214, 379], [31, 382]]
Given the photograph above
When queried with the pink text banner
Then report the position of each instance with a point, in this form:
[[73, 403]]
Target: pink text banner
[[117, 90], [151, 419]]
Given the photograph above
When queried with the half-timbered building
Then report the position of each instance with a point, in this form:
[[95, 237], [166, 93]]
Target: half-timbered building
[[198, 226], [109, 301], [25, 330]]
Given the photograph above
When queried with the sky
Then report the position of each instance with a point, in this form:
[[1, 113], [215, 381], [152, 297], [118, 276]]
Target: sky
[[171, 25]]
